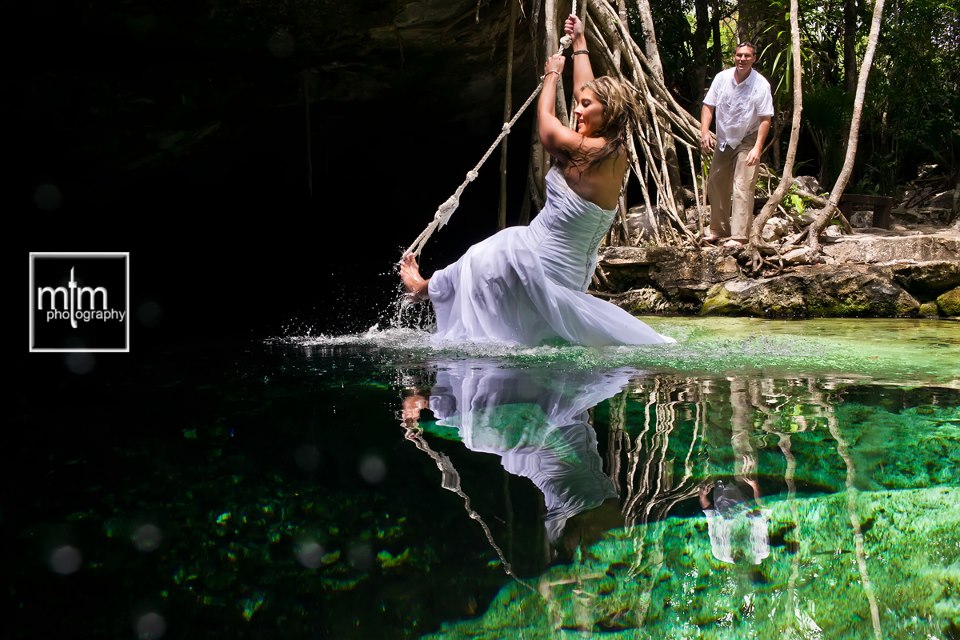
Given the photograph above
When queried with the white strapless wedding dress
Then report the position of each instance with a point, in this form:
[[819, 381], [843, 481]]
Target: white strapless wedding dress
[[527, 285]]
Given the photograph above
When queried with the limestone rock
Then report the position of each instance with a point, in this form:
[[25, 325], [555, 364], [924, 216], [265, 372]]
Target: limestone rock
[[663, 579], [876, 274], [928, 279], [807, 183], [917, 248], [684, 276], [801, 255], [640, 224], [861, 219], [648, 300], [774, 229]]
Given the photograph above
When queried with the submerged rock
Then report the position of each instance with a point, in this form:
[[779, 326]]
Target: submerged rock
[[847, 565]]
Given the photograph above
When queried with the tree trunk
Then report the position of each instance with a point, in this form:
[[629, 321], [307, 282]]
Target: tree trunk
[[671, 160], [749, 20], [507, 113], [756, 244], [849, 45], [698, 75], [717, 41], [622, 13], [820, 223], [552, 41]]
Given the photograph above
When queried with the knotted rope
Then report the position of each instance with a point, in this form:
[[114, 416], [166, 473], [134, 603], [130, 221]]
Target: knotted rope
[[445, 210]]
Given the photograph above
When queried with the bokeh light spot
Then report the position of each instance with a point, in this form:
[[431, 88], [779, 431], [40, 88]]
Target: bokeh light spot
[[65, 560], [47, 197], [309, 553], [373, 469], [150, 314], [147, 537], [307, 457], [80, 363], [150, 625]]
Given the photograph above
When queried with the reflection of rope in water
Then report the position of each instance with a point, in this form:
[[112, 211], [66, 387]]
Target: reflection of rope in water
[[450, 480]]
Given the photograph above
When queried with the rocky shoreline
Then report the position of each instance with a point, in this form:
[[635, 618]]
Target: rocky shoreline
[[872, 273]]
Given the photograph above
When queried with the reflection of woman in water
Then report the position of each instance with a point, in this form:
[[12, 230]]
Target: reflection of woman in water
[[527, 285], [536, 421]]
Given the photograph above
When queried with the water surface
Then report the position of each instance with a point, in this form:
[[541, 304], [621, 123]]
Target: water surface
[[757, 479]]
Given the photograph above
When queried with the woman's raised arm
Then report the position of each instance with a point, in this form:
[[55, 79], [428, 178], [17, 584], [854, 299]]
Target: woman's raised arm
[[553, 134], [582, 71]]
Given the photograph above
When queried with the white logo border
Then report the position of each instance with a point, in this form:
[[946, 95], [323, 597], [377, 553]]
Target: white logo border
[[82, 254]]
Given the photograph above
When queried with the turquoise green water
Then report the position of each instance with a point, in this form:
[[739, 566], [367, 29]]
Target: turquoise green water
[[758, 479], [851, 428]]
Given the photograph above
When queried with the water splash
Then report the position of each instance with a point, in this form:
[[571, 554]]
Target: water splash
[[895, 351]]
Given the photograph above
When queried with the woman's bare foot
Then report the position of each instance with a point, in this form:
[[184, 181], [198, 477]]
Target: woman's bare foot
[[412, 280]]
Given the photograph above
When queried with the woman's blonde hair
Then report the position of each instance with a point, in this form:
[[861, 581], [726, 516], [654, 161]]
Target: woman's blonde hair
[[620, 114]]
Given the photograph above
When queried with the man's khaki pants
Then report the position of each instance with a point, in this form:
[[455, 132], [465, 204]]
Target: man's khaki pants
[[732, 182]]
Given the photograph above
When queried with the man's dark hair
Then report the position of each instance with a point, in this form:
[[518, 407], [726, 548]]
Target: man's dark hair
[[747, 43]]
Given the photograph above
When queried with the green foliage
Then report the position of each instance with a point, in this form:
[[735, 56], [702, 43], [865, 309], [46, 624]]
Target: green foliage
[[674, 38], [676, 31], [912, 107], [795, 203], [826, 111], [912, 111]]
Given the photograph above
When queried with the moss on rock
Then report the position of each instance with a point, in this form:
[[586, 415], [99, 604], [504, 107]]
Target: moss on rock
[[929, 310], [720, 302], [949, 302]]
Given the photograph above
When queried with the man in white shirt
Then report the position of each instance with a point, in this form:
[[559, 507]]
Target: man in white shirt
[[741, 99]]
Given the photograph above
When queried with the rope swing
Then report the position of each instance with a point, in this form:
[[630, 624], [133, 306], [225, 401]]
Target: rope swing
[[445, 210]]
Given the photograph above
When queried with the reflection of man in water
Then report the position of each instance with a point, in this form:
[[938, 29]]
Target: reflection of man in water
[[536, 420], [736, 521], [737, 527]]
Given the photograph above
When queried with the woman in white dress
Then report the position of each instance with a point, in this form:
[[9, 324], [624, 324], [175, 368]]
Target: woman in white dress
[[527, 285]]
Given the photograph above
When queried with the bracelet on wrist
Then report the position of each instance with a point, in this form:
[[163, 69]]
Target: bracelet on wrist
[[549, 72], [580, 51]]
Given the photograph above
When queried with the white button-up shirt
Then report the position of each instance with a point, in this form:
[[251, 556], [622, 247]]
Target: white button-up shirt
[[738, 107]]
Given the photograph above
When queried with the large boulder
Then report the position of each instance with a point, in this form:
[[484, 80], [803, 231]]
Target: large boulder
[[927, 280], [814, 291]]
